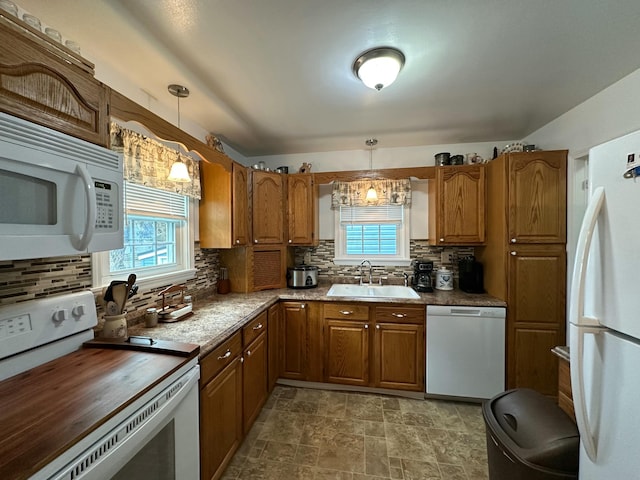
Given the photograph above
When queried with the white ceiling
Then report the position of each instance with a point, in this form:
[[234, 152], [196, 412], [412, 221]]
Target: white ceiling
[[274, 76]]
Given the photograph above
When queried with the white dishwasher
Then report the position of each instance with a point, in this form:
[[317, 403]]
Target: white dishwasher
[[465, 351]]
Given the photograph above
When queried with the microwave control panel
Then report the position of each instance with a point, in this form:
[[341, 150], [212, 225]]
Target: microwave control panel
[[106, 202]]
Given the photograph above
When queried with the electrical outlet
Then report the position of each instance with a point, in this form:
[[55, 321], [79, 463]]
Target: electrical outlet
[[446, 257]]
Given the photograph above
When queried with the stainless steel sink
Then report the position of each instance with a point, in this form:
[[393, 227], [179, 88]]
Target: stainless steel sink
[[371, 291]]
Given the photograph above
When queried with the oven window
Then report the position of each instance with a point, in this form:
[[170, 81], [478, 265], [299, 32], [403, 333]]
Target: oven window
[[156, 460], [27, 200]]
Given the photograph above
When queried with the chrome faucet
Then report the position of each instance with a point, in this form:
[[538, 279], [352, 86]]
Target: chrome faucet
[[362, 273]]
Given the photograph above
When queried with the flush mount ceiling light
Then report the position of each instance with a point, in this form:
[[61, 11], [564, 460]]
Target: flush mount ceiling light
[[378, 67], [179, 172], [372, 196]]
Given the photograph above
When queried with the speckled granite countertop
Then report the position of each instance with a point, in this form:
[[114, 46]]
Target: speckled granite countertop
[[219, 316]]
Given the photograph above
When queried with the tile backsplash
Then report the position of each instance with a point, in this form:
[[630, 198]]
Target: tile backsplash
[[322, 257], [22, 280]]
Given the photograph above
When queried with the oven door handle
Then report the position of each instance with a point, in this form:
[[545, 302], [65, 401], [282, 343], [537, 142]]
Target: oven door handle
[[82, 241]]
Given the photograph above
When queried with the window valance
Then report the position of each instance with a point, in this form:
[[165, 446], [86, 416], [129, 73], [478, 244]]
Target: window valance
[[148, 162], [389, 192]]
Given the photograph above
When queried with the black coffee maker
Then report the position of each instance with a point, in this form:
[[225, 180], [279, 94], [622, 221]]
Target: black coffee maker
[[422, 271], [471, 275]]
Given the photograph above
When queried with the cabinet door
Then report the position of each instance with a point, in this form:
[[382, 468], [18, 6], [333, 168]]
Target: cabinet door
[[459, 206], [399, 356], [301, 209], [254, 380], [273, 337], [267, 207], [538, 197], [294, 340], [536, 315], [45, 85], [240, 204], [220, 420], [346, 352]]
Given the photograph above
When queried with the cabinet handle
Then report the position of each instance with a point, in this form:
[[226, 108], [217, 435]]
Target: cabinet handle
[[346, 312], [377, 327], [225, 356], [513, 253], [513, 240], [258, 326], [366, 326], [399, 315]]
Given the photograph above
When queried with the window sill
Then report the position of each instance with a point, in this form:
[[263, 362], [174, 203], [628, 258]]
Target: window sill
[[149, 283], [393, 262]]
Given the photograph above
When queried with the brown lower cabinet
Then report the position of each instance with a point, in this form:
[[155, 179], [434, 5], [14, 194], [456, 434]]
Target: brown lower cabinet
[[254, 380], [220, 407], [293, 336], [381, 346]]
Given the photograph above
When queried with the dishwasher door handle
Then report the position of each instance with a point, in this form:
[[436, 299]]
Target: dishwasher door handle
[[465, 312]]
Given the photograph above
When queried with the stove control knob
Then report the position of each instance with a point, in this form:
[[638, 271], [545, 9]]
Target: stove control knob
[[60, 315], [78, 311]]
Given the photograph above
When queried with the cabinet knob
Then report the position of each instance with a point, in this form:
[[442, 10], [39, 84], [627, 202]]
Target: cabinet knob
[[366, 326], [346, 312], [513, 253], [237, 240], [290, 241], [377, 327], [225, 356], [442, 239], [258, 326], [248, 353], [255, 241], [513, 240], [303, 306]]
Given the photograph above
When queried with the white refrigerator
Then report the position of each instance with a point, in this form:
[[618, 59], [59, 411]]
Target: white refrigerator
[[604, 315]]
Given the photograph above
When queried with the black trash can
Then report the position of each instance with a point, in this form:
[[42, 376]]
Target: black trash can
[[529, 438]]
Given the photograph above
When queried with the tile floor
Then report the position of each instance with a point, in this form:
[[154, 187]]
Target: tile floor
[[307, 434]]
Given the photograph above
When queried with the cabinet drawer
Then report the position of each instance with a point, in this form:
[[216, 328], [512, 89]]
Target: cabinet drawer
[[254, 328], [345, 311], [219, 358], [400, 314]]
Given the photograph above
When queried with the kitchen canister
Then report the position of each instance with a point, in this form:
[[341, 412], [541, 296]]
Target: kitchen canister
[[444, 279], [115, 327], [151, 318]]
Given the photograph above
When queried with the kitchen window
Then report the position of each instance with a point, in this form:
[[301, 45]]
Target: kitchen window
[[158, 240], [376, 233]]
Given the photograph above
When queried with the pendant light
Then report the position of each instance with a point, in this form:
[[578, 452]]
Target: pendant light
[[179, 172], [378, 67], [372, 196]]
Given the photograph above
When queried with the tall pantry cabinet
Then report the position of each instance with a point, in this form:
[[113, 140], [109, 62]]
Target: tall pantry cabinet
[[525, 260]]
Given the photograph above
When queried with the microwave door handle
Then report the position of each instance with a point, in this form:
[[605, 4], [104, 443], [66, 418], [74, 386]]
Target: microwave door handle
[[89, 227]]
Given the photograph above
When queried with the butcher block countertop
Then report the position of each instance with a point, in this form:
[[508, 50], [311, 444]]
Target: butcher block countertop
[[50, 408], [219, 316]]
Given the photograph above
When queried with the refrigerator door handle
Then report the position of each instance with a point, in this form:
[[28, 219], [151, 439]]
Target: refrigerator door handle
[[576, 310], [577, 386], [585, 324]]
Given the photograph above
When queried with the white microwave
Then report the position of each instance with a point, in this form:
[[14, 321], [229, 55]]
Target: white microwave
[[58, 195]]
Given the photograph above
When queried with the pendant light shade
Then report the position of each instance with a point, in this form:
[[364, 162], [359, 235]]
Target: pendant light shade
[[379, 67], [179, 172]]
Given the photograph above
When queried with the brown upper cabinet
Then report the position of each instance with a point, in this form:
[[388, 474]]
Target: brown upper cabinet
[[457, 206], [302, 210], [224, 206], [46, 83], [537, 198], [267, 202]]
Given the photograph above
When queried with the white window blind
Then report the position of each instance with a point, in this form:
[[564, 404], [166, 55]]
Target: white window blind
[[389, 214], [151, 201]]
